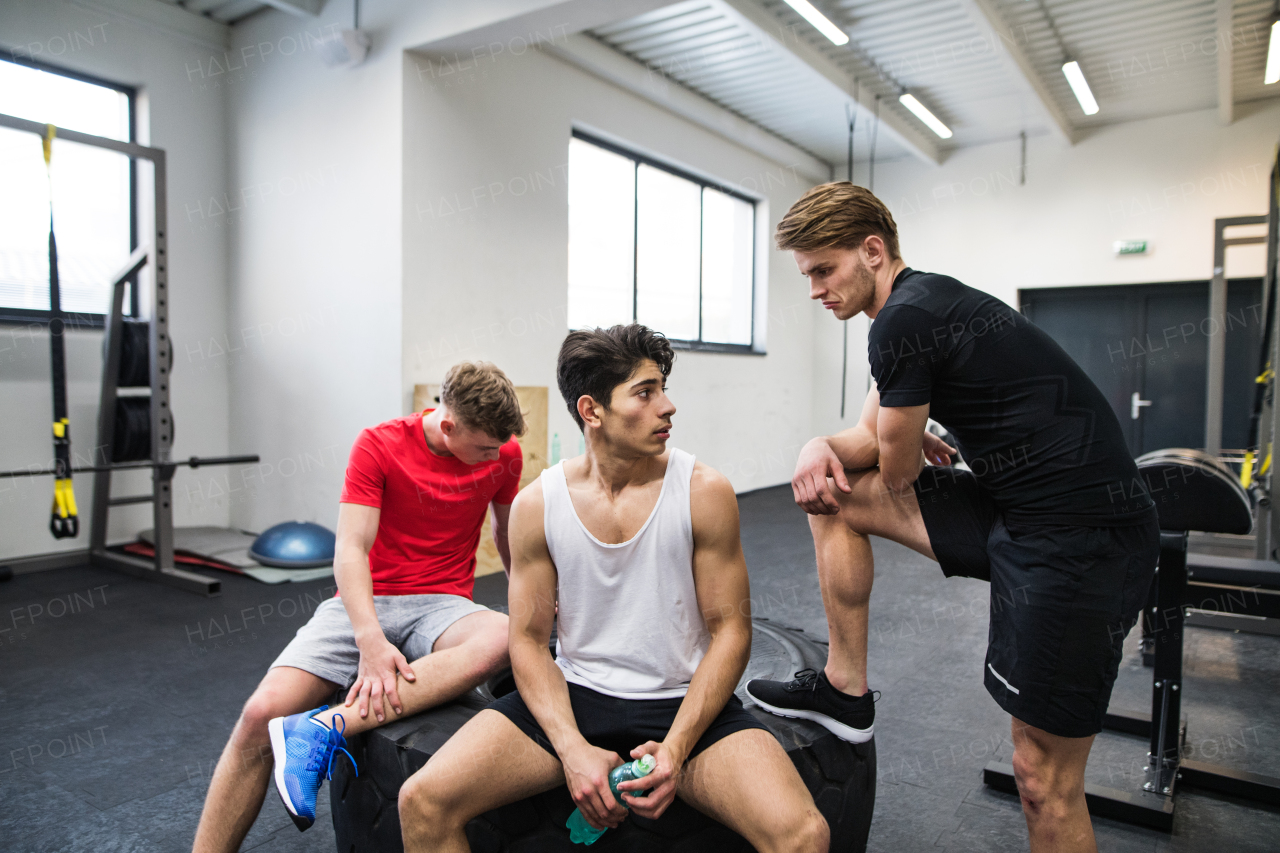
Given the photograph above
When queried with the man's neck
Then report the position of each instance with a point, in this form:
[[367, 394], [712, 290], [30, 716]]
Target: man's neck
[[885, 278], [612, 472], [434, 436]]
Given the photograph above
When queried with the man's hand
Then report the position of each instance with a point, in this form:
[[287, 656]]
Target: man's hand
[[937, 451], [817, 462], [662, 779], [380, 662], [586, 773]]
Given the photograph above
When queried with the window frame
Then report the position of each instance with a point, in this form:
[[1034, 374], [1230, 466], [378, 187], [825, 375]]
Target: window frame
[[81, 319], [703, 183]]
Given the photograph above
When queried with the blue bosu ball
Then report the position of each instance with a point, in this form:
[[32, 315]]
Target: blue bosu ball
[[294, 545]]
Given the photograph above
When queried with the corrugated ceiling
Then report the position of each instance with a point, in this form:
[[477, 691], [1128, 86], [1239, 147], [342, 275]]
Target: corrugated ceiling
[[1142, 58]]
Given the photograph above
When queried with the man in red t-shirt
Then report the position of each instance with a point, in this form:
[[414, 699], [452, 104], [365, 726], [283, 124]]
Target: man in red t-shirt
[[404, 633]]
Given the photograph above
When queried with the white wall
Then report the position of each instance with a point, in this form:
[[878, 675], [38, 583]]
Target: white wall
[[486, 251], [188, 120], [1163, 180], [316, 249]]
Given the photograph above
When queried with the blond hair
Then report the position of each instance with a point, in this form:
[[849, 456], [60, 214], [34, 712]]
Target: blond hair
[[481, 396], [840, 215]]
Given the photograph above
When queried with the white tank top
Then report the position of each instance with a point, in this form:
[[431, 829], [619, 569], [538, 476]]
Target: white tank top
[[629, 624]]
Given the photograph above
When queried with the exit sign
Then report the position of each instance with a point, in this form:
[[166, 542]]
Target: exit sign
[[1131, 247]]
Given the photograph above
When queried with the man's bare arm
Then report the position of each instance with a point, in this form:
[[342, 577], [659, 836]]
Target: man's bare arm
[[501, 519], [380, 661], [901, 436], [531, 599], [724, 598], [828, 457]]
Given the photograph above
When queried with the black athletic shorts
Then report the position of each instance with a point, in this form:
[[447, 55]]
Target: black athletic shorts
[[1063, 598], [620, 725]]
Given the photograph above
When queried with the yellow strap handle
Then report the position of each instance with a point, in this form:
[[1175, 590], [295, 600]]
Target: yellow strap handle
[[1246, 469], [64, 499], [49, 133]]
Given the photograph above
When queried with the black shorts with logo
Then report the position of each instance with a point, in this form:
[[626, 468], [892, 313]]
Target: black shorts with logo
[[1063, 598]]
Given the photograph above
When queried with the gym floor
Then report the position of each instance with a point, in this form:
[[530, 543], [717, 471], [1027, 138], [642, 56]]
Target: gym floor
[[118, 695]]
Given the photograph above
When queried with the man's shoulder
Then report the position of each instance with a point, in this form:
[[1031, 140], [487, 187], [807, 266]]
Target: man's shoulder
[[511, 450], [924, 289], [393, 429], [710, 493]]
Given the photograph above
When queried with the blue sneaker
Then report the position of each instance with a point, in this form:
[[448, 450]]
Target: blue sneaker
[[304, 748]]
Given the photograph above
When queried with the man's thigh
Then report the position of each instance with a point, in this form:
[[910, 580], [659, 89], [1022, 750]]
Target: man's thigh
[[487, 764], [746, 782], [325, 646], [481, 625], [871, 509]]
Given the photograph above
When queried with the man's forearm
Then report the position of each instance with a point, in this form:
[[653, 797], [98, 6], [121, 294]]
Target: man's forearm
[[712, 685], [503, 545], [856, 448], [355, 583], [544, 690]]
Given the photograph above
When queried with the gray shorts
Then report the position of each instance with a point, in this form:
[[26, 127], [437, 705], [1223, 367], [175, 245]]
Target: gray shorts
[[326, 645]]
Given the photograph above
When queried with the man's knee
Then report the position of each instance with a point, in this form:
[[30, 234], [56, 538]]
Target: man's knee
[[801, 832], [423, 803], [827, 526], [812, 835], [1044, 789], [263, 706], [493, 646]]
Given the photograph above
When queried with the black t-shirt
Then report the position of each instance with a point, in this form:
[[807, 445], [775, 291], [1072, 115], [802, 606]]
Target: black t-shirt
[[1036, 432]]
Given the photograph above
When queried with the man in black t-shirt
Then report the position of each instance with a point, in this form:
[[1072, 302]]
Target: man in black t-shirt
[[1048, 506]]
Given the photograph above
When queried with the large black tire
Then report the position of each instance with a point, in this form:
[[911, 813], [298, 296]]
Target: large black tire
[[841, 777]]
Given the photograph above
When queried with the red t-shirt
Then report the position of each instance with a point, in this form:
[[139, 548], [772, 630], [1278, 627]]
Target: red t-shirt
[[432, 507]]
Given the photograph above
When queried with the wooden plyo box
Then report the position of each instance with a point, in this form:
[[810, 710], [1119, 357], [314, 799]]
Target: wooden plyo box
[[533, 403]]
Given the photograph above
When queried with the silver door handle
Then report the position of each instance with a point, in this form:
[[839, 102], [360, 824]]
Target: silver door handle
[[1136, 403]]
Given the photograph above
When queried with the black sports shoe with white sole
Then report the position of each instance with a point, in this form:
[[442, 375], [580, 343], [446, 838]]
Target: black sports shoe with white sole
[[811, 697]]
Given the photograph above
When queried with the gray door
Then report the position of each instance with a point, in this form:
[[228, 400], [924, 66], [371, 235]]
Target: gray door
[[1146, 347]]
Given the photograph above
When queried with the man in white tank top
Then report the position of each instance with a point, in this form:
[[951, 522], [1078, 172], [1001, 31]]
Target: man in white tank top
[[638, 545]]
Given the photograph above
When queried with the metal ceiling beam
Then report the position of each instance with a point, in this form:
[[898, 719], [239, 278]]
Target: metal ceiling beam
[[1226, 63], [779, 40], [987, 18], [608, 64], [301, 8]]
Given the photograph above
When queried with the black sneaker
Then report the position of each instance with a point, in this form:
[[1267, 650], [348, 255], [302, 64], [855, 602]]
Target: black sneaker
[[811, 697]]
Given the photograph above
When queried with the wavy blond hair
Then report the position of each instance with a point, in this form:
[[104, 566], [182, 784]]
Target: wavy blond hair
[[839, 215]]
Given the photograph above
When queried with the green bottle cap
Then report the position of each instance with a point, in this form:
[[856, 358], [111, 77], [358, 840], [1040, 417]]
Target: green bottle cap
[[644, 765]]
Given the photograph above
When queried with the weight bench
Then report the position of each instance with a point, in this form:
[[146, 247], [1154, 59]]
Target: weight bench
[[1192, 491]]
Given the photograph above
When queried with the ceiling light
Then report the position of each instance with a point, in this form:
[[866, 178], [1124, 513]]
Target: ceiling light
[[819, 21], [1071, 70], [922, 112], [1273, 52]]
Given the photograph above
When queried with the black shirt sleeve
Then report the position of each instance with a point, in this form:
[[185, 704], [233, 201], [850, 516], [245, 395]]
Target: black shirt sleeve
[[903, 350]]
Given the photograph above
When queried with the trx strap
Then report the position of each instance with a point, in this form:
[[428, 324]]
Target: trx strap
[[64, 522], [1263, 389]]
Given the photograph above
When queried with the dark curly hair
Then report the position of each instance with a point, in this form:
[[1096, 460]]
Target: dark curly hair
[[595, 361]]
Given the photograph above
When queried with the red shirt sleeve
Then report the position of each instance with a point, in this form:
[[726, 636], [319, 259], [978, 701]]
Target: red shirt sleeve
[[366, 472], [512, 465]]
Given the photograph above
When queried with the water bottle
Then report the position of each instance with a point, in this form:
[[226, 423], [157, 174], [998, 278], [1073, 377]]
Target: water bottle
[[555, 448], [581, 832]]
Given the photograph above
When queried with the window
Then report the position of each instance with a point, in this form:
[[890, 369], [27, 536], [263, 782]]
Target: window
[[93, 193], [651, 244]]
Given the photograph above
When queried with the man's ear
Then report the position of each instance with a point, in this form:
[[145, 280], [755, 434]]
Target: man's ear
[[588, 410], [873, 251], [447, 426]]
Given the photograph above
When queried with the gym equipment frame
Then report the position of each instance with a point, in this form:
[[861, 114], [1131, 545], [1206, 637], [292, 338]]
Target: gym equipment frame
[[161, 569]]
